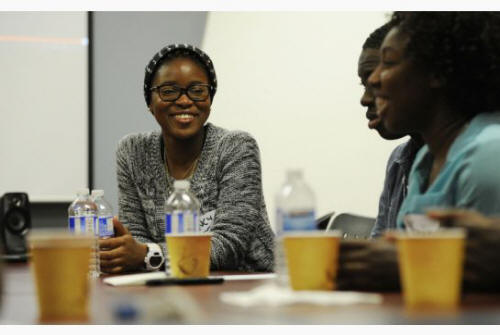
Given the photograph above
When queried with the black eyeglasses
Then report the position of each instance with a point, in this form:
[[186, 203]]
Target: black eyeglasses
[[195, 92]]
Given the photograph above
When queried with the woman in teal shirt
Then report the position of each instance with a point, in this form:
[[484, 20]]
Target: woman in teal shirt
[[439, 77]]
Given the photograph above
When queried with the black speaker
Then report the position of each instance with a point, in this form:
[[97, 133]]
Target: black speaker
[[15, 222]]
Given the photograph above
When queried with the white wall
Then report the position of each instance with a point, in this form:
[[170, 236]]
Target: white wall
[[44, 104], [290, 79]]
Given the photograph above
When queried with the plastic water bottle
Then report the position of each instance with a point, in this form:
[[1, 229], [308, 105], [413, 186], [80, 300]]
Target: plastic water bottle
[[295, 211], [82, 213], [82, 220], [104, 215], [182, 210], [104, 225]]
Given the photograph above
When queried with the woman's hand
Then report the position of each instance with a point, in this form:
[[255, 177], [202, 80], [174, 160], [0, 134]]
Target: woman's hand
[[122, 252], [368, 265]]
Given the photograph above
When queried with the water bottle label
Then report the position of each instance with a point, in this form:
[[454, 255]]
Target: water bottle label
[[106, 226], [299, 221], [71, 224], [85, 224], [90, 223], [79, 222], [181, 222]]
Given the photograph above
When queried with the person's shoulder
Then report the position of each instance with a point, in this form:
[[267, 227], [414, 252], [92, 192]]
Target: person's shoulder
[[489, 129], [479, 153], [402, 150], [483, 149], [483, 137], [477, 162], [233, 137], [411, 146], [138, 141], [399, 149]]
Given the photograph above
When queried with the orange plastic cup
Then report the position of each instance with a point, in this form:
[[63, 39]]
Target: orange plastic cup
[[431, 268], [189, 254], [312, 259], [60, 264]]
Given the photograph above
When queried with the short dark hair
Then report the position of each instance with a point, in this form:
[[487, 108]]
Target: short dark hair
[[374, 41], [462, 49], [178, 51]]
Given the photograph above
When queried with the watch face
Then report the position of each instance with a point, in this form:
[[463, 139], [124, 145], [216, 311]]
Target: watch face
[[155, 261]]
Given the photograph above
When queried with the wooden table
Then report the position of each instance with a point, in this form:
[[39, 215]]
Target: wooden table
[[168, 305]]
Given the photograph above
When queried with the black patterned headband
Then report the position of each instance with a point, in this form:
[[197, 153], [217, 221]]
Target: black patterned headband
[[168, 50]]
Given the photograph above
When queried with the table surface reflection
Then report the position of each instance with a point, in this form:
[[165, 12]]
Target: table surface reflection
[[201, 305]]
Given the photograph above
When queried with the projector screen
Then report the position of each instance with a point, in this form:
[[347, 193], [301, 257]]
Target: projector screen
[[44, 105]]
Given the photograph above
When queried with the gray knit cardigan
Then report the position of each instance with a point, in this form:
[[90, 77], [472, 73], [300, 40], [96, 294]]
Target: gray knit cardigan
[[227, 179]]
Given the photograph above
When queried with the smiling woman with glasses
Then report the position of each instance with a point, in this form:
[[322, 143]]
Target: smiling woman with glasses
[[223, 168]]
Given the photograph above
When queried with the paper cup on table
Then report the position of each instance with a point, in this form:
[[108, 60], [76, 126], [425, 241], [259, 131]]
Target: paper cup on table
[[60, 265], [312, 259], [431, 268], [189, 254]]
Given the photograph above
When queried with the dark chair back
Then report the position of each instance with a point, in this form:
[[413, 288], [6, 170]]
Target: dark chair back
[[352, 226], [322, 222]]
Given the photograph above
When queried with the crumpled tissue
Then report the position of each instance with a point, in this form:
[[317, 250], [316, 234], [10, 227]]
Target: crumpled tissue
[[273, 295]]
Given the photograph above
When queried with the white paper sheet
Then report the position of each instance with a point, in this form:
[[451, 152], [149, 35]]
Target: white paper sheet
[[134, 279], [141, 278], [250, 276]]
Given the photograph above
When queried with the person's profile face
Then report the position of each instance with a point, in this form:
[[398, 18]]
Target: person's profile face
[[402, 91], [182, 118], [367, 62]]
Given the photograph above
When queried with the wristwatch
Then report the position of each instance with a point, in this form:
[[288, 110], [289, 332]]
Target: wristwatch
[[154, 257]]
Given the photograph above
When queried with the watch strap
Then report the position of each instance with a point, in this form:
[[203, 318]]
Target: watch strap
[[153, 250]]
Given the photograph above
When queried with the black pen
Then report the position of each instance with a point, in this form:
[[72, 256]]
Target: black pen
[[184, 281]]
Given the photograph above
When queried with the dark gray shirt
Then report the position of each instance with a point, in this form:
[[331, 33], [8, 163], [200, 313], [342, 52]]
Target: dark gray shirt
[[395, 186], [228, 183]]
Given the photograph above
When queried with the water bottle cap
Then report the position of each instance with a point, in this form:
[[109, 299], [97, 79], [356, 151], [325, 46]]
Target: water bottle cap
[[181, 184], [82, 191], [97, 193]]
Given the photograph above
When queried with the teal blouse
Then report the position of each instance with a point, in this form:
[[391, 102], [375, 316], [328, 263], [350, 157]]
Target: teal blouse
[[470, 177]]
